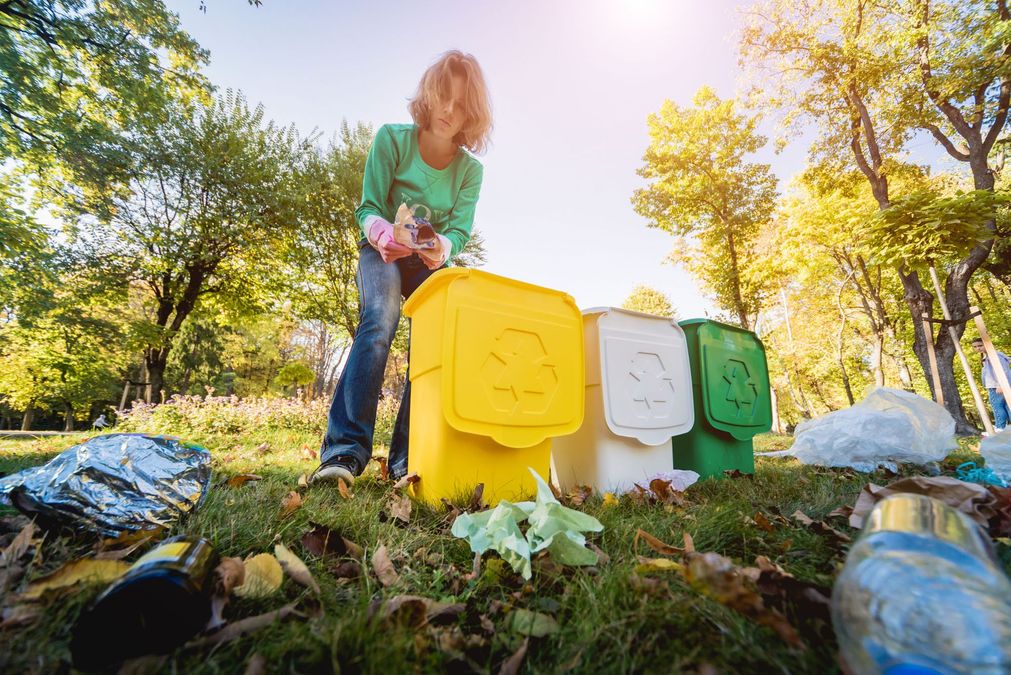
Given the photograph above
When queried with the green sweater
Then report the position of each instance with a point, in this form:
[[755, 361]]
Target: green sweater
[[396, 174]]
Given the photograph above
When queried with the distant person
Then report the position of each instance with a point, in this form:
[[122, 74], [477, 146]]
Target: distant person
[[100, 422], [1001, 414], [429, 167]]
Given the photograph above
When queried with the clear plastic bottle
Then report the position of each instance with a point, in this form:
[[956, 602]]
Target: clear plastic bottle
[[922, 592]]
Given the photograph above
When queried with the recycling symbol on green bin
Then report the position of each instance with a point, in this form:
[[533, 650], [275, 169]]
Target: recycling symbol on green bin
[[652, 386], [741, 389], [517, 374]]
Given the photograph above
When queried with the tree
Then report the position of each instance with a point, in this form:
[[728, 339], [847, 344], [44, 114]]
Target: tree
[[296, 374], [209, 195], [72, 71], [840, 65], [703, 188], [648, 300]]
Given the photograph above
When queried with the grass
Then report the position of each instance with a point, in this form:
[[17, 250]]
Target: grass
[[610, 620]]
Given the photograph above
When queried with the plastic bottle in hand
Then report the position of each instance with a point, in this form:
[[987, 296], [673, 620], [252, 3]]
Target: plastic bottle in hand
[[922, 592]]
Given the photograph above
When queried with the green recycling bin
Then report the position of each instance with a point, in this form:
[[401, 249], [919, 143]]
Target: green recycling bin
[[730, 386]]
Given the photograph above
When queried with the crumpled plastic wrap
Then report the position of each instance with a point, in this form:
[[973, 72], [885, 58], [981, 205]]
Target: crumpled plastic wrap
[[413, 232], [888, 427], [552, 527], [996, 450], [113, 483]]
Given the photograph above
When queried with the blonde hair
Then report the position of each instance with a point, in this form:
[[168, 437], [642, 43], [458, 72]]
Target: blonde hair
[[476, 130]]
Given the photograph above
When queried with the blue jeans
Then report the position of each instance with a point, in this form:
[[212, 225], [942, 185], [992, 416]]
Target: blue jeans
[[352, 420], [1000, 409]]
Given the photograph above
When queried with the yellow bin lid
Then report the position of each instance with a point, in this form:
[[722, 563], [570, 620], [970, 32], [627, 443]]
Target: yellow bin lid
[[511, 355]]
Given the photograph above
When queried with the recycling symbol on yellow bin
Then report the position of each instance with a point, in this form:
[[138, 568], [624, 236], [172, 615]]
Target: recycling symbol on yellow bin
[[741, 389], [517, 374], [652, 387]]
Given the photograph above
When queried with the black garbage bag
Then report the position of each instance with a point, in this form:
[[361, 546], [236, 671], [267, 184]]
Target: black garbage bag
[[113, 483]]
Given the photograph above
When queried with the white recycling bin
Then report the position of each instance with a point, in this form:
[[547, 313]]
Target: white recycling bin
[[638, 395]]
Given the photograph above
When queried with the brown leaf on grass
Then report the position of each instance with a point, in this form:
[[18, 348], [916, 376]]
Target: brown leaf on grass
[[343, 488], [802, 518], [384, 468], [289, 504], [577, 495], [257, 665], [655, 544], [323, 542], [82, 571], [262, 448], [737, 473], [130, 537], [762, 522], [778, 586], [689, 543], [718, 578], [242, 479], [263, 577], [19, 546], [970, 498], [229, 575], [349, 569], [244, 626], [844, 511], [307, 453], [383, 567], [477, 498], [409, 479], [665, 493], [400, 508], [19, 615], [414, 610], [602, 558], [119, 554], [295, 568], [511, 666]]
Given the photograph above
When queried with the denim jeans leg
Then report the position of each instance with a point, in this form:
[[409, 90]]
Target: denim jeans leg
[[352, 420], [1000, 408], [414, 273]]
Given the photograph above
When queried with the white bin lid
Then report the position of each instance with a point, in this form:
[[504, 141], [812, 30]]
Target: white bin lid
[[645, 376]]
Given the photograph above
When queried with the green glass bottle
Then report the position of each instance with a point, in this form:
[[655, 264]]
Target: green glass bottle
[[163, 600]]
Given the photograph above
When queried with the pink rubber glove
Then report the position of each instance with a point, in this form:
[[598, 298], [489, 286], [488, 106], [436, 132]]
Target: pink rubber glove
[[436, 257], [381, 238]]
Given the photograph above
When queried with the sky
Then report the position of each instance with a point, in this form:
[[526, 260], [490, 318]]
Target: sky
[[572, 83]]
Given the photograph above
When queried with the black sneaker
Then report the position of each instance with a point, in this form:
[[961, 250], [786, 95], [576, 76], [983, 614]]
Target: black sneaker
[[339, 468]]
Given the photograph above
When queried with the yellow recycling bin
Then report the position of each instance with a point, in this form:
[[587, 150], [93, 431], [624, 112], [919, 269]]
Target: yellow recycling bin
[[496, 372]]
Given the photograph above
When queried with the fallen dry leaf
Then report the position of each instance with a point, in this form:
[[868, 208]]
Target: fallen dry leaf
[[349, 569], [263, 577], [647, 565], [262, 448], [257, 665], [655, 544], [244, 626], [343, 488], [383, 567], [19, 615], [477, 498], [242, 479], [689, 543], [511, 666], [384, 468], [85, 570], [322, 541], [763, 522], [578, 495], [405, 481], [289, 504], [307, 453], [416, 611], [119, 554], [18, 546], [229, 575], [665, 492], [295, 568], [400, 508]]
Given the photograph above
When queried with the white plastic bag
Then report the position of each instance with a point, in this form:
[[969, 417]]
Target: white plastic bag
[[996, 450], [888, 427]]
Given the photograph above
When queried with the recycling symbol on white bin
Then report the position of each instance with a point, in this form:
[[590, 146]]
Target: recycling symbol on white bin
[[517, 374], [652, 387]]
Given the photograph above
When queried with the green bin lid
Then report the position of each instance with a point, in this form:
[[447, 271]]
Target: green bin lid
[[733, 377]]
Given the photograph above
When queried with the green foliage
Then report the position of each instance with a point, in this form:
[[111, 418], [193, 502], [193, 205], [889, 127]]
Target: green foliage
[[924, 228], [703, 189], [648, 300], [73, 72], [294, 374]]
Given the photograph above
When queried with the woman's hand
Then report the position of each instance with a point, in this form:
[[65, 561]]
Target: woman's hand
[[436, 257], [381, 238]]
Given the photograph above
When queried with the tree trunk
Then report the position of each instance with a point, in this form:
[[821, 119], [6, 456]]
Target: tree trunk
[[26, 421], [68, 417], [155, 360]]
